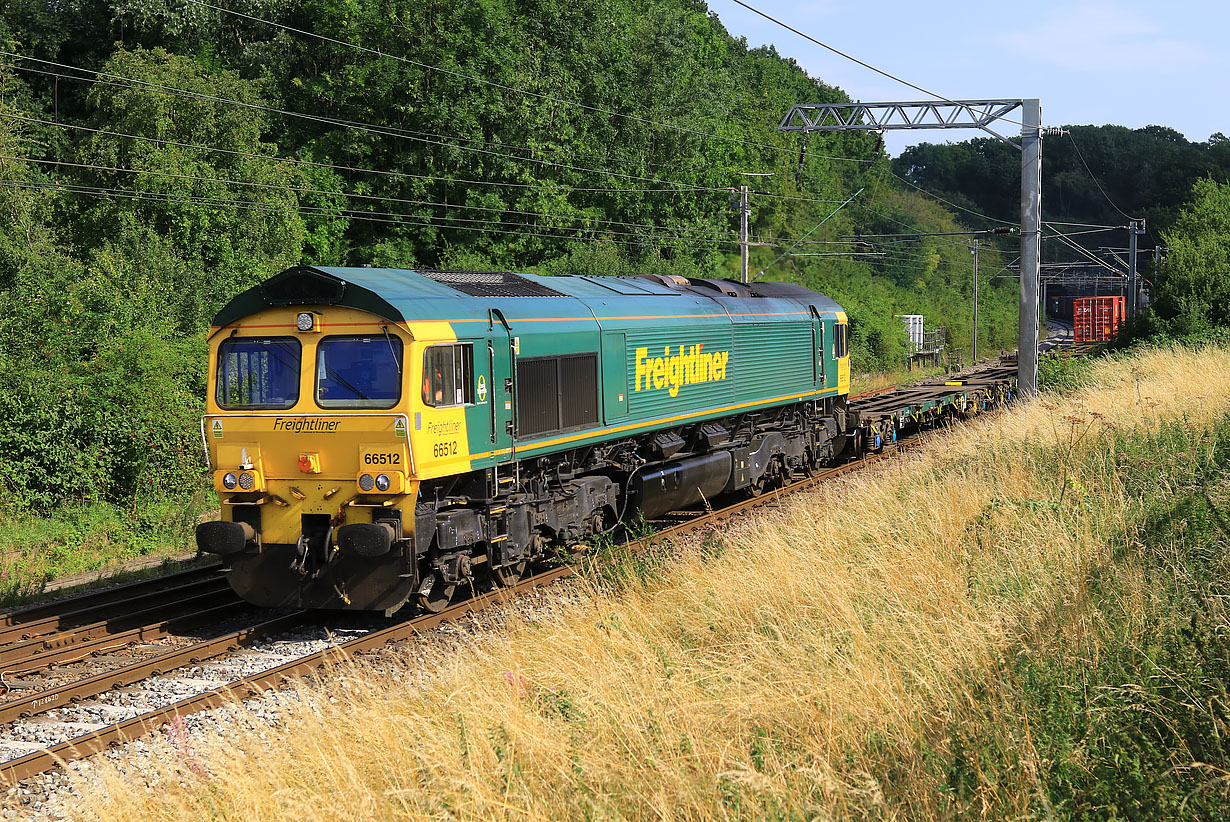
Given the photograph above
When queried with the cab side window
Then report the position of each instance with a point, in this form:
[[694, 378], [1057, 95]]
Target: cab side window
[[448, 375], [841, 340]]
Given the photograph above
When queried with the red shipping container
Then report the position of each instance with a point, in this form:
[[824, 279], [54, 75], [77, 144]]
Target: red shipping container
[[1097, 319]]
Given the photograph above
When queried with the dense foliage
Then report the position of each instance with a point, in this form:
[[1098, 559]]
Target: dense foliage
[[1147, 172], [157, 156], [1192, 292]]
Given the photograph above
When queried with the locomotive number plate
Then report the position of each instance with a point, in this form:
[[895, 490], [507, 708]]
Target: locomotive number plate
[[383, 456], [371, 458]]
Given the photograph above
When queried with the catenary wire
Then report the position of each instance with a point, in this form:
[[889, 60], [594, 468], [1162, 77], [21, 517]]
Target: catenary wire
[[702, 234], [356, 169], [1078, 248], [849, 57], [414, 135], [419, 135], [1079, 233], [413, 132], [950, 202], [393, 218], [1087, 225], [1093, 177], [384, 131]]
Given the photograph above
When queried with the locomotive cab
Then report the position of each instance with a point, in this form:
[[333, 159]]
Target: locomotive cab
[[307, 432]]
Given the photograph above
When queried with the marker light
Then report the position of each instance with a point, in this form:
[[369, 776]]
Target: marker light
[[246, 481], [383, 482], [305, 321], [229, 481], [366, 483]]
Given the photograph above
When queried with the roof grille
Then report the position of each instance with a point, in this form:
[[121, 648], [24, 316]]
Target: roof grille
[[490, 283]]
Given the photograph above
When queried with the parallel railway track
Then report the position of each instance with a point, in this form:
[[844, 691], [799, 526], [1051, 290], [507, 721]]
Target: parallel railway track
[[45, 637]]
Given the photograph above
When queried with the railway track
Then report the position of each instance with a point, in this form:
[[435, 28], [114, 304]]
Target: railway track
[[56, 634], [97, 739], [25, 618], [142, 631]]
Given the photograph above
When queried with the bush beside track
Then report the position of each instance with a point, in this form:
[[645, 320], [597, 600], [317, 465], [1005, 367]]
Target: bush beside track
[[1021, 618]]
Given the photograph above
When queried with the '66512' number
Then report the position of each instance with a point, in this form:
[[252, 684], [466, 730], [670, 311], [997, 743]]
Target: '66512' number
[[382, 459], [444, 449]]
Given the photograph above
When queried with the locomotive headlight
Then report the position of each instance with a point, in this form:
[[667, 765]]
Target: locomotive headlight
[[229, 481], [367, 483], [246, 481], [306, 321], [383, 482]]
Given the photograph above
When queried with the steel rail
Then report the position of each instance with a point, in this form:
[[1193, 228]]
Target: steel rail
[[37, 653], [38, 762], [79, 618], [92, 599], [43, 701]]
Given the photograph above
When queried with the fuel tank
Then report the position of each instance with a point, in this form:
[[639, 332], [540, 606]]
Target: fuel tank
[[680, 483]]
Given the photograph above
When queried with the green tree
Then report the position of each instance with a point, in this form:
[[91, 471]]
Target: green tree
[[1192, 293], [232, 217]]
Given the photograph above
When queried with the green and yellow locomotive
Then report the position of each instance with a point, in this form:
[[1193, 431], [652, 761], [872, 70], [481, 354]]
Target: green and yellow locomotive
[[380, 436]]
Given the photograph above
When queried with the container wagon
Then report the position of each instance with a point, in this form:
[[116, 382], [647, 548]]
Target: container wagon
[[1097, 319]]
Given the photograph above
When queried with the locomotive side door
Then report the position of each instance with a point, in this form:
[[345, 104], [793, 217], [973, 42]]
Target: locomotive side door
[[501, 392], [817, 347]]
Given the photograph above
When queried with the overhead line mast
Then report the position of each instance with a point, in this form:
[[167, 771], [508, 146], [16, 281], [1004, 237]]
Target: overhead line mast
[[979, 114]]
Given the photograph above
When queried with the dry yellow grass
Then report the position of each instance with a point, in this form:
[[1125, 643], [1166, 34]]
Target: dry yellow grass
[[822, 650]]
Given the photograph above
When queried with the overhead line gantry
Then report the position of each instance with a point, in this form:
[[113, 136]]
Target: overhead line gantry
[[978, 114]]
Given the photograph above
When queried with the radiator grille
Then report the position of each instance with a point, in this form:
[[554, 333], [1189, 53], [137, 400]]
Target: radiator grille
[[556, 393], [579, 397], [490, 283]]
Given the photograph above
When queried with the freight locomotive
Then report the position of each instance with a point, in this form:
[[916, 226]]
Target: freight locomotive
[[381, 437]]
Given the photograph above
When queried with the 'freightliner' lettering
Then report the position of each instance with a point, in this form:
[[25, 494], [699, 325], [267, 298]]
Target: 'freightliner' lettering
[[688, 367], [302, 425]]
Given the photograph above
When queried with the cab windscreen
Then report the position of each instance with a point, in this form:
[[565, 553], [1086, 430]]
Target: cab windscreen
[[258, 373], [358, 372]]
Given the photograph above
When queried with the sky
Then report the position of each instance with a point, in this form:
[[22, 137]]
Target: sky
[[1127, 63]]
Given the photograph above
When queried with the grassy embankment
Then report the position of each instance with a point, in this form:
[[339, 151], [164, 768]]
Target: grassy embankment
[[36, 548], [1025, 618]]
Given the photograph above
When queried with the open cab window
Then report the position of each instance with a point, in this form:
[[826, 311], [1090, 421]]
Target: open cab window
[[258, 373], [358, 372], [841, 340], [448, 375]]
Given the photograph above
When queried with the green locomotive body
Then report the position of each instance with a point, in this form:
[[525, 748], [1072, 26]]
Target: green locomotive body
[[445, 426]]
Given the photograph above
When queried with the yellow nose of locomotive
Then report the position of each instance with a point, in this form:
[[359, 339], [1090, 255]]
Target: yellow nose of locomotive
[[308, 437]]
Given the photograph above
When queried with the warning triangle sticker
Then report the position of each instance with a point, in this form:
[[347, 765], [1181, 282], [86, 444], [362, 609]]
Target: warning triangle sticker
[[218, 429], [399, 428]]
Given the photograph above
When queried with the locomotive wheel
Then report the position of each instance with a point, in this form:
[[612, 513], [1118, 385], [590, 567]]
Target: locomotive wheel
[[438, 598], [509, 575], [596, 523], [810, 466]]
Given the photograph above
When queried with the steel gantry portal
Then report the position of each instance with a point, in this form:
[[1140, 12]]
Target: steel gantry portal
[[980, 114]]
